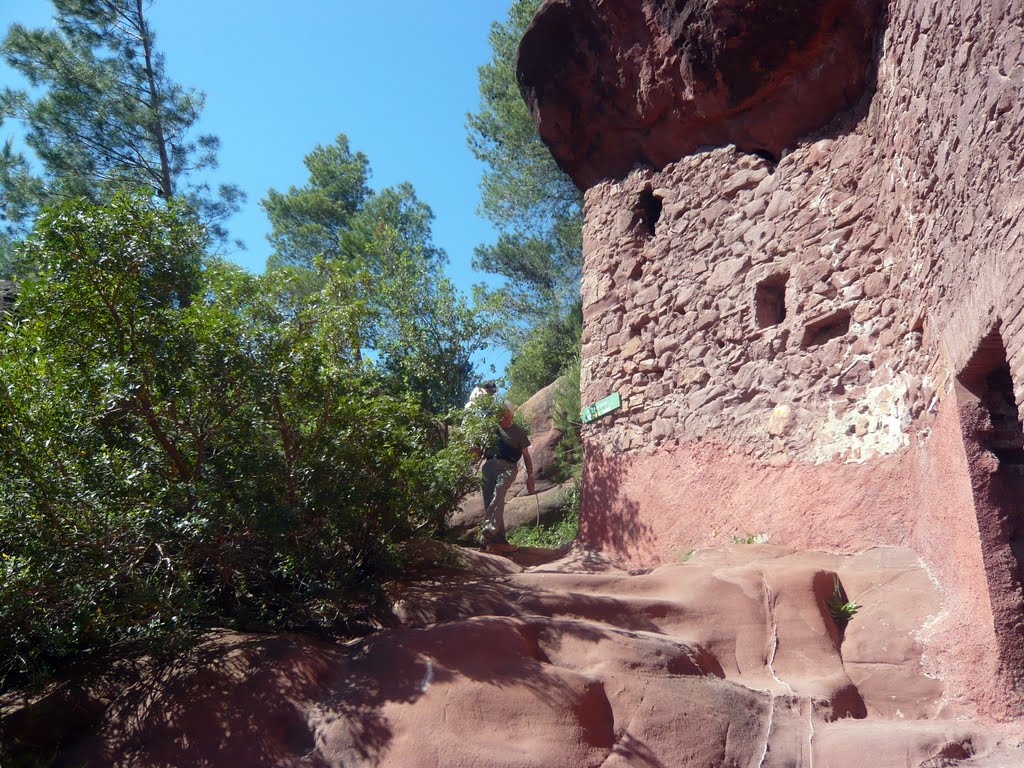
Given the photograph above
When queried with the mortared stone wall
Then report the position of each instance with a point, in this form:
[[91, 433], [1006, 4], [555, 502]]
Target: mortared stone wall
[[817, 336]]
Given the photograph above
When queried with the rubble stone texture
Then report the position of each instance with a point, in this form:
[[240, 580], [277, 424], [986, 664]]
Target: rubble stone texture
[[816, 325]]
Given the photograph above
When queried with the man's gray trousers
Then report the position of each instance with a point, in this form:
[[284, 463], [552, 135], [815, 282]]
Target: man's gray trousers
[[498, 475]]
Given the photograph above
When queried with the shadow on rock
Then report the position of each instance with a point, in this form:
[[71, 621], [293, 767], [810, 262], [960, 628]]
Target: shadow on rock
[[247, 696], [609, 519]]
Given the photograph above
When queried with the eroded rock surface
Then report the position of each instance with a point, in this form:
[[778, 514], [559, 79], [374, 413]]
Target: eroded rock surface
[[616, 85], [729, 659]]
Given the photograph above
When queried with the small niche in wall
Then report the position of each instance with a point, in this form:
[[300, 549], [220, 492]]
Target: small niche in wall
[[648, 208], [825, 328], [770, 301]]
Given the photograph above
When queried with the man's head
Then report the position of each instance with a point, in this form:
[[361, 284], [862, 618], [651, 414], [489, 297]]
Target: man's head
[[507, 415]]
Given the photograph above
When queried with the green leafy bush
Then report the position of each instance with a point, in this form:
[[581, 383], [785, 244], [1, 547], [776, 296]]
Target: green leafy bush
[[565, 413], [547, 352], [550, 536], [476, 425], [555, 534], [183, 444]]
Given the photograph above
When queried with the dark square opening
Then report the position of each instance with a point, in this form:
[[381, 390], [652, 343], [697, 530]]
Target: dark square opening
[[823, 329], [648, 208], [770, 301]]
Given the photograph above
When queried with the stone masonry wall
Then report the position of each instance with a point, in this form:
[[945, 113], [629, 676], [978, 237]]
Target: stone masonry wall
[[786, 335], [904, 228]]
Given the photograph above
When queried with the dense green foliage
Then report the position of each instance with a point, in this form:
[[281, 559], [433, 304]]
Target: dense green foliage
[[545, 354], [534, 204], [307, 221], [418, 327], [184, 444], [565, 413], [423, 332], [102, 115], [551, 535], [10, 258], [538, 212], [336, 212]]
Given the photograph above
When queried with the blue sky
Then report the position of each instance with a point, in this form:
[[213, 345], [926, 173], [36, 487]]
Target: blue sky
[[397, 77]]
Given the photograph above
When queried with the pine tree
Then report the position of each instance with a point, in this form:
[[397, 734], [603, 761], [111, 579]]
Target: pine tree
[[539, 214], [335, 233], [102, 115], [307, 221]]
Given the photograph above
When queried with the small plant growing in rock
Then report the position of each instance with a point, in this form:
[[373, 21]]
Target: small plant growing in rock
[[685, 556], [842, 610]]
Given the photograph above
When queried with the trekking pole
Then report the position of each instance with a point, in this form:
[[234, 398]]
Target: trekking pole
[[538, 507]]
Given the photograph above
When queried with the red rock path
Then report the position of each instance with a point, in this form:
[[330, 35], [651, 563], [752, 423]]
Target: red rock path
[[730, 659]]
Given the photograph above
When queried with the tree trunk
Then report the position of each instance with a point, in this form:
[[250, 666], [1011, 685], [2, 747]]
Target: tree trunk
[[166, 182]]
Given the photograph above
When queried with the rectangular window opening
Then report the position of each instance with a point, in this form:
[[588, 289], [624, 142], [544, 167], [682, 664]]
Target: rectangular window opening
[[770, 301]]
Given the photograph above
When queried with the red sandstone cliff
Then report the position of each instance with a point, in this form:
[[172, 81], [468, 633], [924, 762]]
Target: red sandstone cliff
[[617, 85]]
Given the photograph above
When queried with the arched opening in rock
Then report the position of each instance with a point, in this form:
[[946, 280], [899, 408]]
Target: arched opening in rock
[[770, 301], [649, 209], [770, 157], [994, 444]]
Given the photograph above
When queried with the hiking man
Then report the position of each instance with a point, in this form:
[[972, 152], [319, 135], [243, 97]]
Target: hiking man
[[499, 468]]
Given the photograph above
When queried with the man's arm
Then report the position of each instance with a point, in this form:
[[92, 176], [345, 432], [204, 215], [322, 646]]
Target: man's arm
[[530, 480]]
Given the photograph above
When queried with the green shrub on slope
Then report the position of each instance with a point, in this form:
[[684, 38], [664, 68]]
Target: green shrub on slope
[[182, 445]]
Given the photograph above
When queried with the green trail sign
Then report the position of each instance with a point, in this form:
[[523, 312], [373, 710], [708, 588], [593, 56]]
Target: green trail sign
[[601, 408]]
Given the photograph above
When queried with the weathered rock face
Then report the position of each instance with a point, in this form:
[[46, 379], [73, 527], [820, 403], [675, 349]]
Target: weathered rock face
[[828, 349], [616, 85], [730, 659]]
